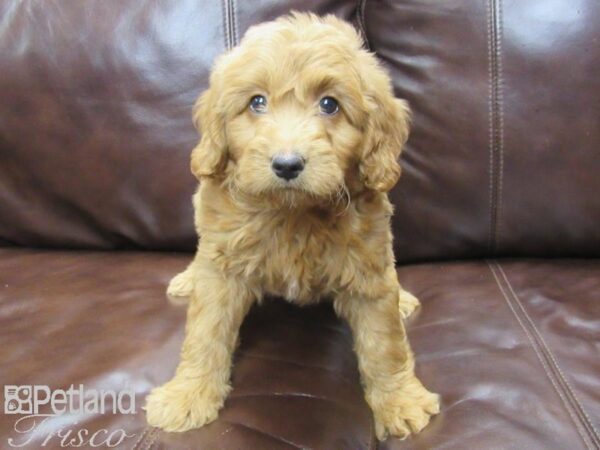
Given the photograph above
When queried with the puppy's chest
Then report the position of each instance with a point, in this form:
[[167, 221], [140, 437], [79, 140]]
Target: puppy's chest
[[301, 260]]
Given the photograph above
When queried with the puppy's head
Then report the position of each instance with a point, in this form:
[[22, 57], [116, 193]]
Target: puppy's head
[[300, 111]]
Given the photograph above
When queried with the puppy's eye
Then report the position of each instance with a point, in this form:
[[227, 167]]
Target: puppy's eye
[[329, 106], [258, 104]]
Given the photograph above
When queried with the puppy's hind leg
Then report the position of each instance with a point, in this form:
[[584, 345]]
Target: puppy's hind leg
[[407, 303], [182, 284]]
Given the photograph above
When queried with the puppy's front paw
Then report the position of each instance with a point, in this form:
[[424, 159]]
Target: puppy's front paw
[[182, 405], [407, 303], [181, 285], [405, 411]]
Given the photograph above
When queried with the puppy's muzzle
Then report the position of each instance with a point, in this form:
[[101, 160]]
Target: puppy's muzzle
[[287, 166]]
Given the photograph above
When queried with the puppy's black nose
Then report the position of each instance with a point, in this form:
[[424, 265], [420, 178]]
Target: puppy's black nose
[[287, 166]]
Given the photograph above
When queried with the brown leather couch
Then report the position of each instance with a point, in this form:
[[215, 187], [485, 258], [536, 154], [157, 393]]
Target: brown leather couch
[[497, 222]]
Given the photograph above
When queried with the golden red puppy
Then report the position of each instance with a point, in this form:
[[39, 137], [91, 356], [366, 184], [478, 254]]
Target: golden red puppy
[[301, 136]]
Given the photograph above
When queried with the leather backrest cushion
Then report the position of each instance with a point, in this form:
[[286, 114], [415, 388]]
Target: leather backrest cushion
[[95, 114], [504, 155], [95, 120]]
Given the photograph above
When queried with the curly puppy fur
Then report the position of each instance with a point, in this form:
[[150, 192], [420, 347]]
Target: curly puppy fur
[[324, 234]]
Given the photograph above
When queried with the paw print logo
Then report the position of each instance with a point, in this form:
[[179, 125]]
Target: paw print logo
[[18, 399]]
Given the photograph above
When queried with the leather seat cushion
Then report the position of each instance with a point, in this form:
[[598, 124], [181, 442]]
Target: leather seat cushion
[[511, 346]]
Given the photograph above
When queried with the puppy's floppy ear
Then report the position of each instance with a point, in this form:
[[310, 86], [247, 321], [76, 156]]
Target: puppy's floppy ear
[[386, 132], [209, 157]]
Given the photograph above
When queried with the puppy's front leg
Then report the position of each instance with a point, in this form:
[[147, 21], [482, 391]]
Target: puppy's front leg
[[399, 401], [201, 383]]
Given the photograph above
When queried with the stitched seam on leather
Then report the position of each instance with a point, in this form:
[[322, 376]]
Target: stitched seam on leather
[[337, 403], [141, 438], [235, 36], [545, 363], [229, 23], [496, 120], [147, 438], [490, 122], [500, 103], [577, 405], [225, 16], [362, 24], [151, 439], [272, 436]]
